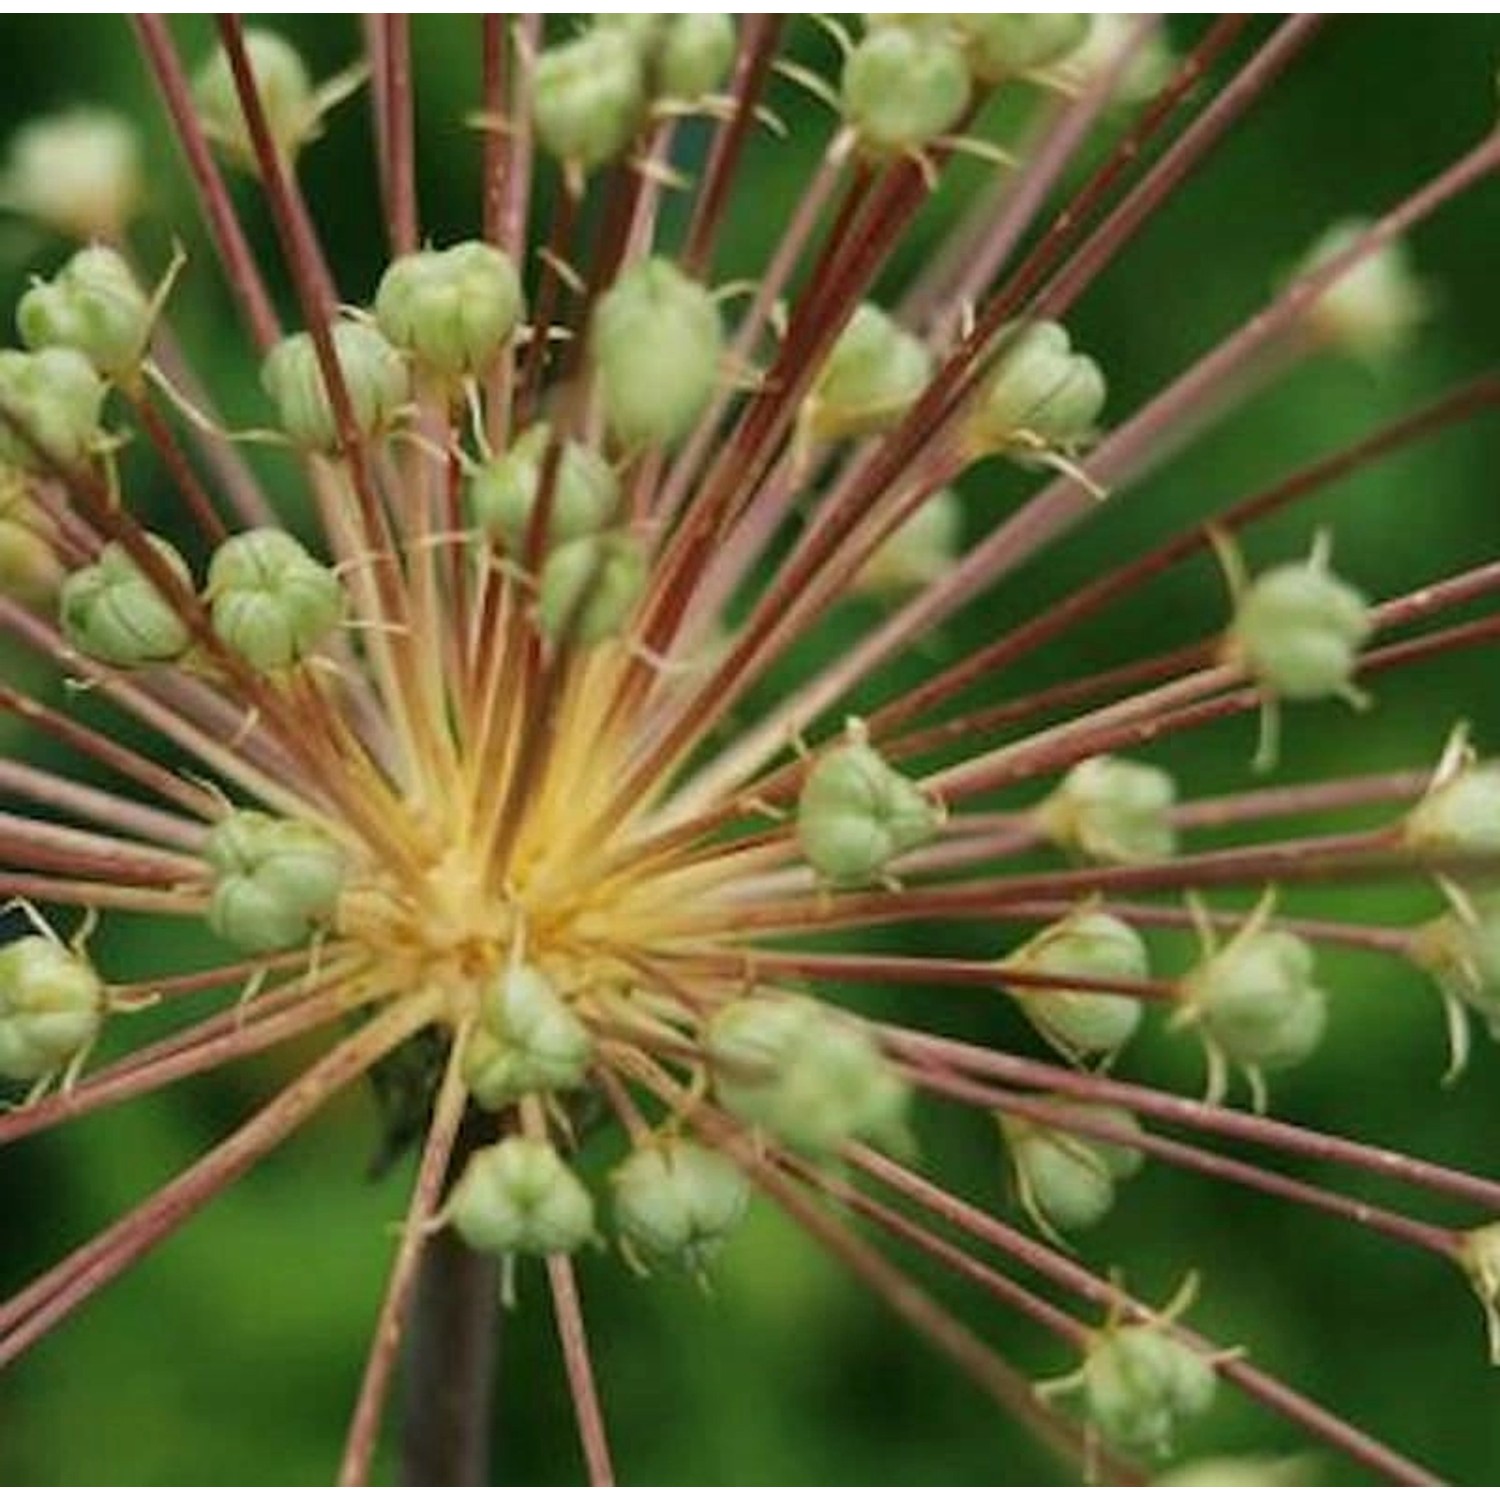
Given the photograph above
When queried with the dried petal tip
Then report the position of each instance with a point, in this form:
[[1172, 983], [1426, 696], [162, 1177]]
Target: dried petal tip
[[51, 1008], [113, 612], [1066, 1178], [374, 374], [93, 305], [1001, 47], [529, 1039], [50, 403], [1113, 810], [904, 87], [678, 1202], [1479, 1255], [1040, 394], [278, 880], [503, 492], [1141, 1383], [589, 98], [271, 602], [1371, 310], [875, 373], [77, 173], [519, 1197]]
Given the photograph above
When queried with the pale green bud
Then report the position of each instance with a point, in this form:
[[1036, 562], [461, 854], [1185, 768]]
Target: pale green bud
[[529, 1040], [1479, 1255], [589, 98], [585, 492], [903, 88], [1298, 629], [1374, 307], [1039, 392], [30, 569], [874, 374], [452, 310], [278, 880], [1113, 810], [51, 1007], [1065, 1178], [93, 305], [55, 397], [1085, 944], [656, 342], [1000, 47], [856, 814], [1460, 814], [519, 1197], [78, 173], [286, 92], [694, 55], [813, 1078], [678, 1201], [112, 611], [1463, 954], [374, 372], [590, 587], [271, 602], [920, 551], [1141, 1384], [1151, 65]]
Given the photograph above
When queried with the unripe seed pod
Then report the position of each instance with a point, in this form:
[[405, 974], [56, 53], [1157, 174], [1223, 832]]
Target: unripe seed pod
[[811, 1077], [271, 602], [920, 551], [51, 1007], [590, 587], [693, 55], [679, 1202], [1001, 47], [874, 374], [1370, 311], [452, 310], [1038, 392], [1463, 954], [529, 1040], [93, 305], [1085, 944], [856, 814], [1113, 810], [1151, 65], [656, 342], [589, 98], [30, 569], [518, 1197], [1066, 1179], [585, 492], [1479, 1255], [1460, 812], [278, 880], [903, 88], [78, 173], [286, 95], [1140, 1384], [112, 611], [55, 397], [374, 373], [1298, 629]]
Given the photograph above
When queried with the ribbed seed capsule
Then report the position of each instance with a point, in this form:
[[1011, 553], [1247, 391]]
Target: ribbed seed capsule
[[111, 611], [374, 373], [452, 310], [503, 492], [589, 98], [529, 1040], [1001, 47], [590, 587], [903, 88], [676, 1201], [30, 569], [693, 56], [518, 1197], [656, 341], [278, 880], [920, 551], [1140, 1384], [93, 305], [1113, 810], [78, 173], [51, 1007], [53, 398], [874, 374], [1462, 952], [286, 94], [271, 602], [1039, 394], [1460, 812], [1085, 944], [1066, 1178], [1370, 311], [811, 1077]]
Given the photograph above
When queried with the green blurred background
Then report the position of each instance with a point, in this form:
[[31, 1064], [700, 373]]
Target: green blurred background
[[232, 1354]]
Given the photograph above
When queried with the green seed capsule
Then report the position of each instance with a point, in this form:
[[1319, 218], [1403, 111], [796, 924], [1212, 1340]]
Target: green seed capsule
[[1000, 47], [1065, 1178], [1113, 810], [678, 1202], [271, 602], [286, 95], [656, 343], [30, 569], [590, 587], [93, 305], [1371, 311], [693, 55], [1141, 1384], [111, 611], [1463, 954], [1460, 812], [78, 173], [278, 880], [811, 1077], [902, 89], [920, 551], [589, 98], [374, 373], [585, 492], [529, 1040], [452, 310], [51, 1007], [874, 374], [55, 397], [1086, 944], [1039, 392], [519, 1197]]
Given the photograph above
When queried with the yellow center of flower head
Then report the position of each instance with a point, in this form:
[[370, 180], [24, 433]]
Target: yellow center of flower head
[[615, 736]]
